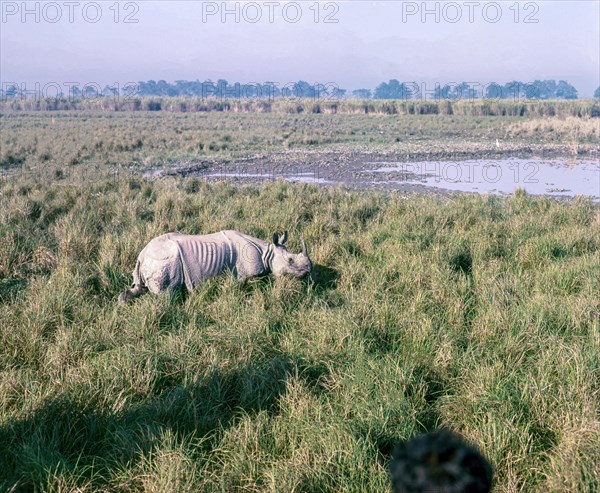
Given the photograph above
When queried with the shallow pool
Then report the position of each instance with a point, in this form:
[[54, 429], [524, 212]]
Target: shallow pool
[[538, 177]]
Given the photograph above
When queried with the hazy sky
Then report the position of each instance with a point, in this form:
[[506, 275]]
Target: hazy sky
[[370, 42]]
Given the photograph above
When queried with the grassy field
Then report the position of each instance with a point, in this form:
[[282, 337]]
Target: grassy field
[[59, 144], [477, 313]]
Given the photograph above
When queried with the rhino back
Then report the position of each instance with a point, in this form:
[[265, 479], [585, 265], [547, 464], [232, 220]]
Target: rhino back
[[160, 248], [192, 259], [204, 256]]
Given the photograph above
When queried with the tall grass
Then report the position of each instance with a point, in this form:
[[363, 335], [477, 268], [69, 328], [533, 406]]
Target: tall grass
[[478, 313], [482, 107]]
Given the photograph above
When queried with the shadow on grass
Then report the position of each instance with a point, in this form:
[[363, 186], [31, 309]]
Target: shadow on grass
[[10, 288], [324, 278], [79, 436], [427, 385], [462, 262]]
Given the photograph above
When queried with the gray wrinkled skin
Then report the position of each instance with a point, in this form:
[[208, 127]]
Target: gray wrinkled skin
[[174, 260]]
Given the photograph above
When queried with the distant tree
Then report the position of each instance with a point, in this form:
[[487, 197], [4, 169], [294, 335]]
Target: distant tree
[[384, 90], [597, 93], [188, 88], [465, 91], [148, 88], [110, 91], [208, 88], [90, 92], [131, 89], [393, 90], [362, 93], [513, 89], [234, 91], [270, 90], [413, 90], [221, 88], [303, 89], [165, 89], [251, 91], [451, 91], [11, 91], [321, 91], [494, 91], [440, 92], [564, 90], [194, 88], [541, 89]]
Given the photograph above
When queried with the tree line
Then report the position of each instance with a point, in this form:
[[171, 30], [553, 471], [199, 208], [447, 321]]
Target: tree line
[[538, 89], [222, 89]]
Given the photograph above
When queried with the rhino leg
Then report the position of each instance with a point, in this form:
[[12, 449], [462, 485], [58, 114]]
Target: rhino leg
[[137, 288], [130, 294]]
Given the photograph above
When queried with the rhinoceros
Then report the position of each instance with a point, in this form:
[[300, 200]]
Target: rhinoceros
[[174, 260]]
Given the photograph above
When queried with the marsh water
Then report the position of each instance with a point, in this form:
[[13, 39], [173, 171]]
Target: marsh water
[[501, 176], [536, 176], [308, 177]]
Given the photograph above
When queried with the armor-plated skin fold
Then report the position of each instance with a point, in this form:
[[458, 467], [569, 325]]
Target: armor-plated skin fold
[[174, 260]]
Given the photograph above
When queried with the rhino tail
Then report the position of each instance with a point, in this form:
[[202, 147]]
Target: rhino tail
[[137, 288]]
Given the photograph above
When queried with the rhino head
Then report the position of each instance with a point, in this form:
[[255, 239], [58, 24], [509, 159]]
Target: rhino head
[[286, 263]]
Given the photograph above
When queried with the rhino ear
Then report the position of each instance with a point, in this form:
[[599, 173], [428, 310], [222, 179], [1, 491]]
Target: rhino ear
[[275, 239], [284, 239]]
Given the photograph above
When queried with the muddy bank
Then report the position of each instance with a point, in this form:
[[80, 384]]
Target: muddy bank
[[538, 175]]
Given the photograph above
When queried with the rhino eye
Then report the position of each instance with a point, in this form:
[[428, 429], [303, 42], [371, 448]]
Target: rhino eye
[[290, 260]]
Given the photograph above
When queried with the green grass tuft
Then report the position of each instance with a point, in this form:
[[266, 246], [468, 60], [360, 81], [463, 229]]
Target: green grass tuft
[[477, 313]]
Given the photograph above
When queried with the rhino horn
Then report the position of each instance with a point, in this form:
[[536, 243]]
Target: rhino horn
[[304, 247]]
